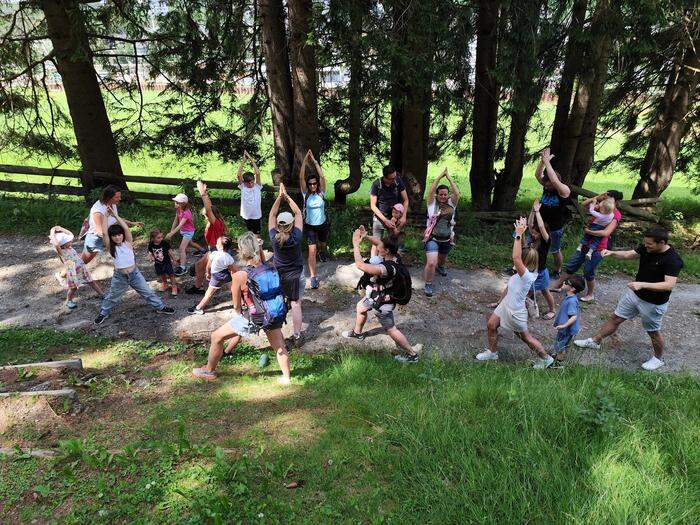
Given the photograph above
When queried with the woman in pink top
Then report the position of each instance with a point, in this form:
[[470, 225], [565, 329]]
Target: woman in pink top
[[183, 223]]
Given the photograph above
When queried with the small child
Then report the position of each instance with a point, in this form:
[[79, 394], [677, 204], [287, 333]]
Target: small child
[[126, 273], [220, 267], [395, 230], [603, 214], [567, 321], [183, 223], [251, 196], [162, 257], [375, 259], [77, 273]]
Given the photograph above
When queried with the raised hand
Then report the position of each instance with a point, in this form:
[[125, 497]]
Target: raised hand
[[283, 191], [520, 226], [536, 205], [201, 188], [546, 154]]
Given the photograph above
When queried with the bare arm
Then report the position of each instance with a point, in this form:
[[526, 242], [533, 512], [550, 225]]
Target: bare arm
[[620, 254], [430, 197], [239, 174], [302, 171], [539, 171], [202, 188], [375, 210], [127, 232], [256, 170], [372, 269], [272, 217], [98, 219], [298, 216], [455, 189], [568, 323], [239, 284], [665, 286], [321, 176], [520, 227], [607, 232]]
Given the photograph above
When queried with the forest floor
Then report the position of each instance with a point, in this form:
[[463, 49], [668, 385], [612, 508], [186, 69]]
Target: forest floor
[[451, 324]]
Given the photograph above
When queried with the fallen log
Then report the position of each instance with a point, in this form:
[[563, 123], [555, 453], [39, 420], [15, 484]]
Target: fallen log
[[629, 210], [67, 363], [66, 392], [641, 202]]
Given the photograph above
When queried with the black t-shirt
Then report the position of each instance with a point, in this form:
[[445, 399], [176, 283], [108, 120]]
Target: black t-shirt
[[542, 253], [387, 196], [160, 252], [653, 267], [288, 258], [553, 210]]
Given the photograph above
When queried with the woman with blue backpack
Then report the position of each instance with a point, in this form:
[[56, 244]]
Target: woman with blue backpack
[[316, 225], [258, 285]]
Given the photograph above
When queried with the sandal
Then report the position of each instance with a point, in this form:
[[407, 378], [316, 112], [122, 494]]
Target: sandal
[[548, 316], [200, 373], [587, 299], [492, 305]]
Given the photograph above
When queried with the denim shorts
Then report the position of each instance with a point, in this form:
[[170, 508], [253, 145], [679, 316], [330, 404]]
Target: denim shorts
[[563, 340], [93, 243], [589, 265], [443, 248], [542, 282], [630, 306], [187, 235], [555, 240]]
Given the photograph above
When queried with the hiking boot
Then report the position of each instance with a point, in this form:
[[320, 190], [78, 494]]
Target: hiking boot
[[200, 373], [350, 334], [166, 310], [100, 319], [314, 283], [194, 290], [487, 355], [429, 289], [442, 271], [407, 358], [194, 310]]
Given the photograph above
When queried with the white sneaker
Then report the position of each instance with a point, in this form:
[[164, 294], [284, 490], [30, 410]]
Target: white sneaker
[[587, 343], [487, 355], [653, 364], [284, 381], [541, 364]]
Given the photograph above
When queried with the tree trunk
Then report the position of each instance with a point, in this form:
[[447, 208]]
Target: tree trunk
[[416, 134], [93, 131], [659, 162], [279, 81], [572, 65], [486, 95], [304, 83], [352, 183], [526, 97]]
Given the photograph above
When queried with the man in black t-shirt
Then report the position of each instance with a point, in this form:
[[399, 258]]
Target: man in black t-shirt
[[384, 193], [648, 295]]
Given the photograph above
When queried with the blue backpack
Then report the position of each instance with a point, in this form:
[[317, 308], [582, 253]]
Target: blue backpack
[[265, 291]]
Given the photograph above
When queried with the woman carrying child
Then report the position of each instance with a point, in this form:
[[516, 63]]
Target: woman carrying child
[[316, 225], [126, 273], [603, 214], [438, 238], [267, 282], [220, 267], [162, 256], [286, 237], [77, 273], [183, 223], [511, 312]]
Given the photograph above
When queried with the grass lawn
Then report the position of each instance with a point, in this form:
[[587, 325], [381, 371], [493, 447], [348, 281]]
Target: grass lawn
[[366, 439]]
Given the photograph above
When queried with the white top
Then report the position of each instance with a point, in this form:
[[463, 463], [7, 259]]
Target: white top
[[601, 219], [518, 287], [100, 208], [123, 256], [251, 200], [220, 261]]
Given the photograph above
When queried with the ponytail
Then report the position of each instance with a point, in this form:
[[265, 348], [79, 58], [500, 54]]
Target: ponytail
[[283, 233]]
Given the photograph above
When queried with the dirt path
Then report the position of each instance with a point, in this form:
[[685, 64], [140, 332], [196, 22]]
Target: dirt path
[[451, 324]]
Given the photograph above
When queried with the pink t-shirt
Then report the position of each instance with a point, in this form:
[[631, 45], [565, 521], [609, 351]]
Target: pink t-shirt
[[188, 227], [604, 241]]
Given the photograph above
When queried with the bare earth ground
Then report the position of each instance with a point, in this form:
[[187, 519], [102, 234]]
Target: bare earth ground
[[451, 324]]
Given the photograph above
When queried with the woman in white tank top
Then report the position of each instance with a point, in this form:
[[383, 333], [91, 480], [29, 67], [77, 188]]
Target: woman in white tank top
[[126, 274]]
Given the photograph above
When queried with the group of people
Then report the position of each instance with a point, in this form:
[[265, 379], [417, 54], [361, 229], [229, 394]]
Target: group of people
[[263, 289]]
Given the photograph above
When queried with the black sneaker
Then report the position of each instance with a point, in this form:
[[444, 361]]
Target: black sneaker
[[191, 270], [558, 363], [195, 310], [100, 319], [323, 256], [350, 334], [194, 290], [179, 270], [166, 310], [408, 358]]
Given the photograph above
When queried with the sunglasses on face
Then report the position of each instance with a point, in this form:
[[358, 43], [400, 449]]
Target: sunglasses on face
[[313, 183]]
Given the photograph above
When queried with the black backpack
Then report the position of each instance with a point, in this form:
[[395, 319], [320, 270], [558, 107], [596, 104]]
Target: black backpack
[[401, 287]]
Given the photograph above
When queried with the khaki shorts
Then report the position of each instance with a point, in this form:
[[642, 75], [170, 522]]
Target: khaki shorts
[[513, 320]]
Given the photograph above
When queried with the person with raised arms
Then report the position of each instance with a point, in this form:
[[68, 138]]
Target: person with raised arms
[[286, 237], [647, 296], [251, 194], [438, 237], [511, 312], [316, 224]]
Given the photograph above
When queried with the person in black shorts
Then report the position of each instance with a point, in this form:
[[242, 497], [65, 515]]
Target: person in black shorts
[[316, 225], [160, 253]]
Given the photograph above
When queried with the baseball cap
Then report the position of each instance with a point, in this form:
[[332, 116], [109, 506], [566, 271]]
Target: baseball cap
[[181, 198], [399, 207], [285, 218]]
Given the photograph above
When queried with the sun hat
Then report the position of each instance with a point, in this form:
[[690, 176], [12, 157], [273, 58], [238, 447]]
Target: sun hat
[[285, 218], [181, 198], [399, 207], [63, 238]]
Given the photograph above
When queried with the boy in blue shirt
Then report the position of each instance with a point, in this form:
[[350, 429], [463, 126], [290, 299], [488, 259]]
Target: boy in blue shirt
[[567, 320]]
